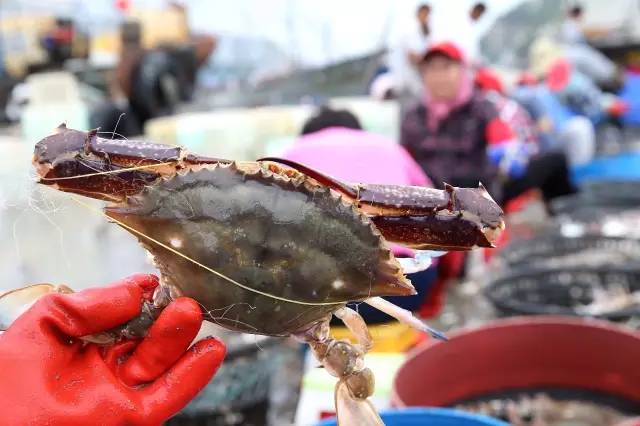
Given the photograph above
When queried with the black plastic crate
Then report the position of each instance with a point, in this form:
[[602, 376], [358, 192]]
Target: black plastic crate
[[562, 291], [550, 247]]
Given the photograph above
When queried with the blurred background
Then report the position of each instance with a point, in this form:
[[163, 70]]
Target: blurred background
[[538, 99]]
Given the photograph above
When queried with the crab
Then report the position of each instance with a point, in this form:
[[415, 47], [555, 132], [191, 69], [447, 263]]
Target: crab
[[277, 247]]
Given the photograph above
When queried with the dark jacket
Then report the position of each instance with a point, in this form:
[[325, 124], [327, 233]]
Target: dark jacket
[[456, 152]]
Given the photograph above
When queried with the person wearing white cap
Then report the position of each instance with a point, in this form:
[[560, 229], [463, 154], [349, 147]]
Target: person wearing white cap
[[407, 52], [468, 37]]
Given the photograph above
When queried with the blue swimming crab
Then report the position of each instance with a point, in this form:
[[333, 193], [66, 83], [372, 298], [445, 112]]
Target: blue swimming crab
[[278, 246]]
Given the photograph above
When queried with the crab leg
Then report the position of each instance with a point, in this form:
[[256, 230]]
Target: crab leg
[[356, 325], [354, 409], [346, 362], [419, 217], [403, 315], [354, 412], [15, 302]]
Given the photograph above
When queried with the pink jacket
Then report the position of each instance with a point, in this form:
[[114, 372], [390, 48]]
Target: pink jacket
[[357, 156]]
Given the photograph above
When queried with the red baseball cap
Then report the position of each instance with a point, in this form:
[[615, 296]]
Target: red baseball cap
[[558, 75], [487, 79], [446, 48]]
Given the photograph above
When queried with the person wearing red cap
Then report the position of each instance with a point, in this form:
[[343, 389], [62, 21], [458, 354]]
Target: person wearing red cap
[[523, 163], [559, 127], [487, 79], [458, 136], [51, 375], [446, 132], [581, 94]]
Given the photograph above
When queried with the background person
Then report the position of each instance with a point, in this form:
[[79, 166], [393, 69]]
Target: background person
[[458, 135], [407, 52]]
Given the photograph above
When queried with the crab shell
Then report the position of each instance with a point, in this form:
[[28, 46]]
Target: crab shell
[[301, 249]]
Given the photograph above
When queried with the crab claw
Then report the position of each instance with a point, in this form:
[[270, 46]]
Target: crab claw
[[352, 411], [419, 217]]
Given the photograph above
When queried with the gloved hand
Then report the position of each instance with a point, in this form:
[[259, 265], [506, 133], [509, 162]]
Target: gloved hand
[[510, 158], [617, 107], [48, 376], [506, 151]]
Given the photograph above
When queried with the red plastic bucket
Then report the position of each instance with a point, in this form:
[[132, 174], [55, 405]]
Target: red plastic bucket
[[520, 354]]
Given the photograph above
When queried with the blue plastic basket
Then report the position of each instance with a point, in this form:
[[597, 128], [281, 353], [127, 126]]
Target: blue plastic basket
[[624, 166], [431, 417]]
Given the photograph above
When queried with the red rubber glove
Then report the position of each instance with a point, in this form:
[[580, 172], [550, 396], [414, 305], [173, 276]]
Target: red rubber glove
[[50, 377]]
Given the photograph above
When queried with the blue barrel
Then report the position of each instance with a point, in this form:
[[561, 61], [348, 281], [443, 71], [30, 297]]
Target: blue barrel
[[430, 417]]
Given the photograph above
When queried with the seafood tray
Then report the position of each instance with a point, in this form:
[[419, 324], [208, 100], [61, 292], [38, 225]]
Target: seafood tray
[[552, 407]]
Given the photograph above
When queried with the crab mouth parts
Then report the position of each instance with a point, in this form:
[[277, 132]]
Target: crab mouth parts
[[42, 169], [492, 233]]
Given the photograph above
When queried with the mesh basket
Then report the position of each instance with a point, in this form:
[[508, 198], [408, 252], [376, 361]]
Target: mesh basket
[[557, 251], [239, 392], [595, 292], [625, 193], [589, 205]]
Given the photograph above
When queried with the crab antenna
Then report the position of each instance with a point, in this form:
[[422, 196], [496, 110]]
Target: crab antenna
[[404, 316]]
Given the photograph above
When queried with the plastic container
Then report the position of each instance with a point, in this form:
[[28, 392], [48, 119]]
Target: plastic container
[[431, 417], [535, 250], [594, 359], [564, 291], [54, 98]]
